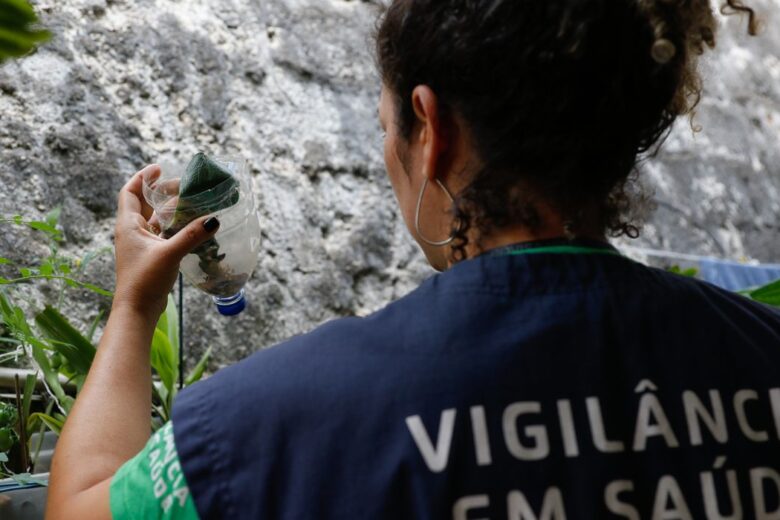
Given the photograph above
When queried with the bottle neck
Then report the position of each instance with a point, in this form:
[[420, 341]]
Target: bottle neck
[[231, 305]]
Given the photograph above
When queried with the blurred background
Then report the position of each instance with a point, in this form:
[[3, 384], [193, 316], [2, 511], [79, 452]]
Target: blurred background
[[290, 86]]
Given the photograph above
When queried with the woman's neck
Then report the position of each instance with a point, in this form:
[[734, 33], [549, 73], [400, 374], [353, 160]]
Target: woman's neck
[[508, 239], [555, 229]]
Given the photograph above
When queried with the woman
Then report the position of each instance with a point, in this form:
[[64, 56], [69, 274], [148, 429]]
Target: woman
[[542, 375]]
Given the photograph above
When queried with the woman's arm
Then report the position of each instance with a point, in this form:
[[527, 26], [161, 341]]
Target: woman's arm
[[110, 421]]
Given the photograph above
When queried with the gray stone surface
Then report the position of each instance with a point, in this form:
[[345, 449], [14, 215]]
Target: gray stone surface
[[290, 86], [718, 190]]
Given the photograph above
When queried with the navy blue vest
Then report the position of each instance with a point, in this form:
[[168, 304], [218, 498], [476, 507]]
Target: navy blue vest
[[543, 386]]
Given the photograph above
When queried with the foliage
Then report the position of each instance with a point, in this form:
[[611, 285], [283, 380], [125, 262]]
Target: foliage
[[8, 418], [769, 294], [165, 361], [55, 267], [64, 356], [61, 352], [18, 34], [691, 272], [59, 270]]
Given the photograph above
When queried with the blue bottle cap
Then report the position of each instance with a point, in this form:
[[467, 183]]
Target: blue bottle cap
[[232, 305]]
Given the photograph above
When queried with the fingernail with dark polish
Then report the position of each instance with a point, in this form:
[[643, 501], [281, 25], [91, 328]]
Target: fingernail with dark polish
[[211, 224]]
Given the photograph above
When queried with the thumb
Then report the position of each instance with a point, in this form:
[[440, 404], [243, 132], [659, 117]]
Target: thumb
[[198, 231]]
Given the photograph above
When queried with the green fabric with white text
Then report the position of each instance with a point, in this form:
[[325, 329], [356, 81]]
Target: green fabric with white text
[[151, 485]]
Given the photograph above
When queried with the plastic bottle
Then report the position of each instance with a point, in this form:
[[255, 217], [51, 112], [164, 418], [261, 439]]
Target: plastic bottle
[[222, 266]]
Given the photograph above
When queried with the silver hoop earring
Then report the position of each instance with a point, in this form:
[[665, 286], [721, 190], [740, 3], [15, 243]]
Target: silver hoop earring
[[417, 215]]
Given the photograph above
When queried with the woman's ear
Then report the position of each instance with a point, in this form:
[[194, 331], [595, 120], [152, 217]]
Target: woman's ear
[[430, 134]]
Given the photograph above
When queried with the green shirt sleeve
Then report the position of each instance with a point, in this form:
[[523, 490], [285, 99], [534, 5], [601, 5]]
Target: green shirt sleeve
[[152, 485]]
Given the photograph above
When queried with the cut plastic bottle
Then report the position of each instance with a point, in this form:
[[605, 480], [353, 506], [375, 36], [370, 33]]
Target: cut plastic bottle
[[219, 187]]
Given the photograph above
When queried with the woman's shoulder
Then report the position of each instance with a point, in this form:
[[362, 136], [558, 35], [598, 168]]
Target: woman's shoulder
[[333, 346]]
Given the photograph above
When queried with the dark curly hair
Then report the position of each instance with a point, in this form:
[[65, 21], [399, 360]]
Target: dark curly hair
[[562, 97]]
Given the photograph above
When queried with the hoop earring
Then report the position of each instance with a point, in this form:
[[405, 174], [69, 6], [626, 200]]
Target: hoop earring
[[433, 243], [568, 230]]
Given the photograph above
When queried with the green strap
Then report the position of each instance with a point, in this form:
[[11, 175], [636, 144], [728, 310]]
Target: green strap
[[563, 250]]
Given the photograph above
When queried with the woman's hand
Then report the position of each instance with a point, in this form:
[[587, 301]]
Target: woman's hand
[[147, 265]]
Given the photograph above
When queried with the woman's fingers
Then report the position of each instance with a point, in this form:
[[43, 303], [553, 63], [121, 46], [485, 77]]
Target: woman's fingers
[[196, 232], [148, 175], [131, 198], [154, 224], [129, 202]]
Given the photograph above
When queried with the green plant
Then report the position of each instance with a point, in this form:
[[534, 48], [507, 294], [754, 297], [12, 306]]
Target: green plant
[[55, 267], [63, 355], [8, 419], [768, 294], [18, 34], [165, 361], [690, 272]]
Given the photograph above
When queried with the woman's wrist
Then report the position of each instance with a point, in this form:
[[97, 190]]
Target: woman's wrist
[[143, 313]]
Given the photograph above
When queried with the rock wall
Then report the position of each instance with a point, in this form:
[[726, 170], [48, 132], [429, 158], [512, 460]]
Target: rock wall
[[718, 191], [290, 86]]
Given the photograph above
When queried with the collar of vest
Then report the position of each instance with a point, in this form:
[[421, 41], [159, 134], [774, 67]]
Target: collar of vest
[[554, 246]]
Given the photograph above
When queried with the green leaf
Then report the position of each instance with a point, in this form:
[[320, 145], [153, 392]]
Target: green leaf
[[53, 217], [35, 451], [15, 320], [209, 182], [20, 40], [50, 375], [162, 359], [6, 308], [68, 341], [164, 355], [25, 479], [29, 390], [160, 395], [67, 403], [52, 423], [85, 285], [200, 368], [169, 323], [94, 288], [5, 261], [46, 269], [93, 327], [92, 255], [25, 272], [769, 294], [17, 11], [205, 187], [43, 226], [20, 322], [18, 220], [690, 272], [9, 415]]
